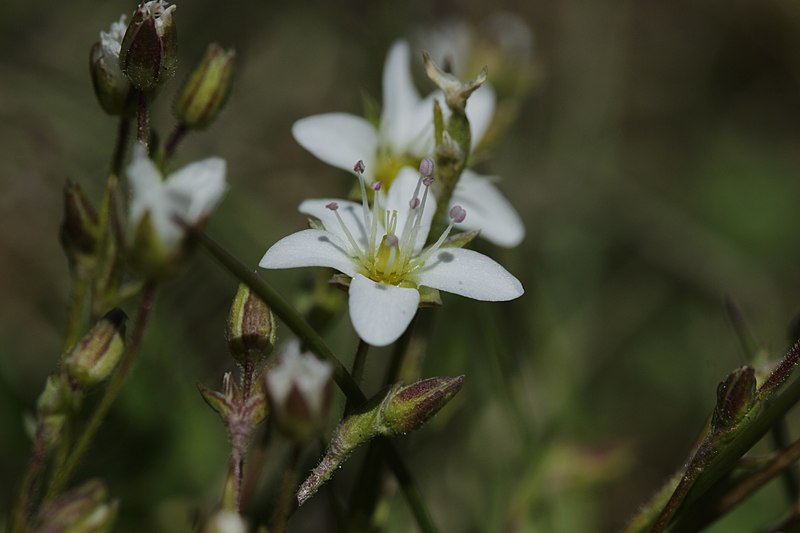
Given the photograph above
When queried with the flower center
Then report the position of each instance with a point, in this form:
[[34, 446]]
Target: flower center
[[392, 259]]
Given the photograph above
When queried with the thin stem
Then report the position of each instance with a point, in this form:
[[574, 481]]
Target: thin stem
[[286, 498], [359, 362], [23, 506], [143, 120], [232, 491], [77, 298], [175, 138], [62, 476], [256, 463], [780, 438], [123, 132], [309, 337]]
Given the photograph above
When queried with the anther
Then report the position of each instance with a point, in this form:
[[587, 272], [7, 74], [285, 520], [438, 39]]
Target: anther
[[426, 167], [333, 206], [359, 167], [413, 203], [457, 214], [376, 185], [427, 181]]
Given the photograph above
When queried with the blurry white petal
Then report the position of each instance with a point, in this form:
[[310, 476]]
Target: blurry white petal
[[309, 374], [339, 139], [195, 189], [400, 194], [352, 215], [380, 313], [488, 210], [310, 247], [480, 111], [400, 100], [469, 274]]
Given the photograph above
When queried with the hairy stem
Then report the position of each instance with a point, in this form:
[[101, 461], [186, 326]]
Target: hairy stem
[[308, 336], [143, 120]]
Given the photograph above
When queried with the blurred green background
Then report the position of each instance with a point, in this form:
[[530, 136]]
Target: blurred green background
[[655, 162]]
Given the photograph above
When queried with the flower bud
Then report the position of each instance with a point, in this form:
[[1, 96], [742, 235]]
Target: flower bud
[[250, 328], [96, 355], [299, 393], [79, 233], [51, 410], [148, 52], [204, 94], [85, 509], [407, 408], [735, 397], [110, 85]]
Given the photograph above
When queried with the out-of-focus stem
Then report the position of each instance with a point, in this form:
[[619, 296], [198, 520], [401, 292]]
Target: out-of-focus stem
[[175, 138], [77, 297], [123, 132], [357, 373], [62, 476], [143, 120], [286, 498], [23, 506]]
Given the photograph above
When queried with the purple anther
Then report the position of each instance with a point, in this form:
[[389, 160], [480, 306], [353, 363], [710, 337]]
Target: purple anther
[[413, 203], [391, 241], [427, 181], [359, 167], [426, 167], [457, 214], [376, 185], [333, 206]]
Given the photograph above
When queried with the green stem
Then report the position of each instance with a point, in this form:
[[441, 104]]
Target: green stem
[[62, 476], [308, 336], [704, 513], [143, 120], [175, 138]]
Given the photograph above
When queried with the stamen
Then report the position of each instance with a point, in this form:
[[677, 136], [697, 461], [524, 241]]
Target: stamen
[[376, 185], [359, 168], [373, 231], [413, 203], [333, 206], [457, 215], [413, 222]]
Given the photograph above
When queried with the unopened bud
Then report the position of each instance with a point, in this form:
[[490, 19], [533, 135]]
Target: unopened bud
[[86, 509], [51, 410], [110, 85], [204, 94], [735, 397], [411, 406], [79, 233], [251, 328], [96, 355], [299, 393], [148, 52]]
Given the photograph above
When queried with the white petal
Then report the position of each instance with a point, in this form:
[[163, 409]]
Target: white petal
[[352, 215], [380, 313], [480, 111], [339, 139], [400, 194], [469, 274], [311, 247], [400, 100], [487, 210], [148, 195], [195, 189]]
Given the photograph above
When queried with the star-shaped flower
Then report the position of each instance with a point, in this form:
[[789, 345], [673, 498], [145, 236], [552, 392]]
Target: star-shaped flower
[[404, 138], [188, 194], [381, 249]]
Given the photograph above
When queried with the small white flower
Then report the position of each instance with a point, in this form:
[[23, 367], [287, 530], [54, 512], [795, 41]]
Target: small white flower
[[405, 136], [110, 43], [382, 251], [298, 389], [190, 194]]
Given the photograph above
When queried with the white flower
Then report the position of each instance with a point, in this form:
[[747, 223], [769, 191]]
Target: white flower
[[110, 43], [190, 194], [382, 251], [298, 389], [405, 136]]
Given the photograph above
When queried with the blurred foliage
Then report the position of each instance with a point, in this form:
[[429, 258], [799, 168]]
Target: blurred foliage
[[655, 164]]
